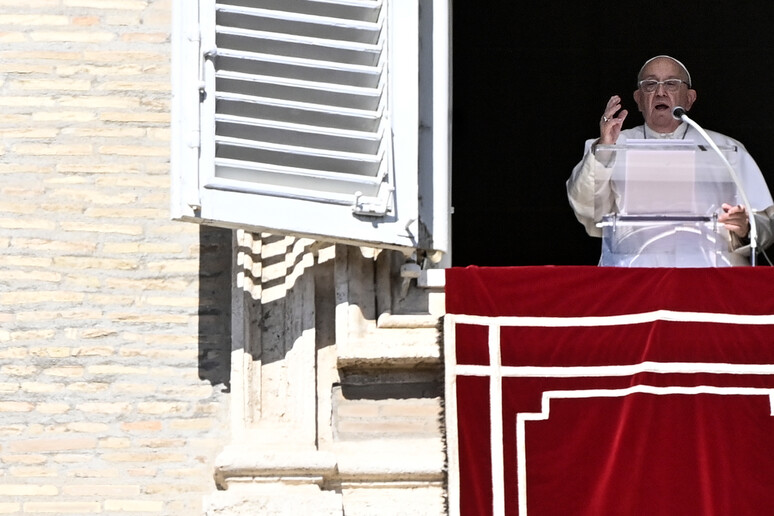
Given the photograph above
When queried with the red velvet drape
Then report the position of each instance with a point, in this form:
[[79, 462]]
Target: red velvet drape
[[624, 391]]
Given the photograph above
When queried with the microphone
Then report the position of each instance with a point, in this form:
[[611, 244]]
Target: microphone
[[678, 112]]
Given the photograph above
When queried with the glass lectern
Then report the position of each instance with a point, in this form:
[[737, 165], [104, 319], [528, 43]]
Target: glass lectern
[[657, 202]]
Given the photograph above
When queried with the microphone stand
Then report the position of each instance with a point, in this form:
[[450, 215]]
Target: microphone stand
[[680, 114]]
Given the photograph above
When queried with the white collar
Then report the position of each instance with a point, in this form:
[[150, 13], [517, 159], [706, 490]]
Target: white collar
[[677, 134]]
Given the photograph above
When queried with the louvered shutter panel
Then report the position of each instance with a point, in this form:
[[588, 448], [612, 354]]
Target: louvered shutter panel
[[300, 101], [309, 118]]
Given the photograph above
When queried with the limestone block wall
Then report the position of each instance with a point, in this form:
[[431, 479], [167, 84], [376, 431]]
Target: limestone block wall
[[114, 320]]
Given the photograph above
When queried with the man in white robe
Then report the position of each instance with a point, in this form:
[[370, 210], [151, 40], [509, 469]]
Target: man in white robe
[[663, 84]]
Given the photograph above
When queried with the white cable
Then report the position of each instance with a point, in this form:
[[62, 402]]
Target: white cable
[[732, 172]]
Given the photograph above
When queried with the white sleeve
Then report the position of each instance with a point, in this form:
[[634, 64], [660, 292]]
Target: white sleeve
[[590, 179], [753, 182]]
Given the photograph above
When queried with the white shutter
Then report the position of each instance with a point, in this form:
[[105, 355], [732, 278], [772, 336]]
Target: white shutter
[[307, 118]]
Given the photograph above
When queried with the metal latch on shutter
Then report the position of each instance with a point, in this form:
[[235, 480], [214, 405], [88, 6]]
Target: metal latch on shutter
[[207, 55], [378, 206]]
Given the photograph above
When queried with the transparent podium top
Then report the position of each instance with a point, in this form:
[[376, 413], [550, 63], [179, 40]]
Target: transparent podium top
[[663, 178]]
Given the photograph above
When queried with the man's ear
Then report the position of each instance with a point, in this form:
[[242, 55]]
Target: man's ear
[[691, 99], [638, 98]]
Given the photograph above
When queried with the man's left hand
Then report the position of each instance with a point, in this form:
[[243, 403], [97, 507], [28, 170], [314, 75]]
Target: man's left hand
[[735, 219]]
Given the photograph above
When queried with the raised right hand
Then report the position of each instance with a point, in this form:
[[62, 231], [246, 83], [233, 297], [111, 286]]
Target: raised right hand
[[611, 121]]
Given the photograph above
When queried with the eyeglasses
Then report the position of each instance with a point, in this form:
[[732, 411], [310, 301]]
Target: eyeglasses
[[650, 85]]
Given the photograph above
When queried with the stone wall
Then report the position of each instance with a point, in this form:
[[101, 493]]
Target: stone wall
[[336, 405], [118, 394], [114, 320]]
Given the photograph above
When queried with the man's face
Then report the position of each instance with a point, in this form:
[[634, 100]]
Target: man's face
[[657, 106]]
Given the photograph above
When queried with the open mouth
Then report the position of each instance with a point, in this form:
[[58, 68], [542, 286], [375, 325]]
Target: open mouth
[[661, 107]]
